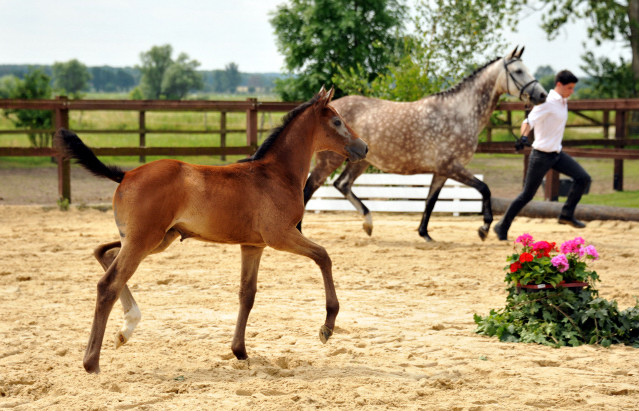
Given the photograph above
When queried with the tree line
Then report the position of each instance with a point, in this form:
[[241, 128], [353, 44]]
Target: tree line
[[158, 76]]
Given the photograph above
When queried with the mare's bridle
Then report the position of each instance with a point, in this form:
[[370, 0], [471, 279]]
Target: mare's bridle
[[517, 83]]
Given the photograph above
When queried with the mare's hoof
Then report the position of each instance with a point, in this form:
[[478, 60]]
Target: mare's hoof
[[325, 333], [483, 233], [427, 238], [92, 368], [368, 229]]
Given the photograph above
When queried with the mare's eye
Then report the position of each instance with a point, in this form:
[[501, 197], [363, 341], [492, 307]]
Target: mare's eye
[[337, 122]]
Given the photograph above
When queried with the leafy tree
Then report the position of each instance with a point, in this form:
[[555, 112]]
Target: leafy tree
[[607, 79], [107, 78], [8, 85], [35, 85], [71, 77], [317, 36], [607, 20], [450, 39], [232, 75], [164, 78], [546, 77], [180, 77]]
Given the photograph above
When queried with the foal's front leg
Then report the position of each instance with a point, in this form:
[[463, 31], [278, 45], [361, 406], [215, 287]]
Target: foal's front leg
[[293, 241], [248, 287]]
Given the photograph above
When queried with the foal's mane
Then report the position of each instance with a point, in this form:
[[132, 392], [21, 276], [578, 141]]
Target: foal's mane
[[286, 120], [457, 87]]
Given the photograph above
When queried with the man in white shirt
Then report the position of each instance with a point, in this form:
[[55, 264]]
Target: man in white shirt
[[549, 121]]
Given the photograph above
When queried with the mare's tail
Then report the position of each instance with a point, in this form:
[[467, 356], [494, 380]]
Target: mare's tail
[[70, 145]]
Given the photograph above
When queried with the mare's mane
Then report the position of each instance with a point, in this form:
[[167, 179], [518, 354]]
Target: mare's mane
[[286, 120], [457, 87]]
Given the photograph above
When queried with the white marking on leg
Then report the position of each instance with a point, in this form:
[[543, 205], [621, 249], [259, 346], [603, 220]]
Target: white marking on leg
[[131, 320]]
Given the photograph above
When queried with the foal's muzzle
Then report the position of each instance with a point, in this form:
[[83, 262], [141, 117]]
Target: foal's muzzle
[[357, 150]]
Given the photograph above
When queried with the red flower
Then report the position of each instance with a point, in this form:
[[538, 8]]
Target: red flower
[[515, 266], [525, 257]]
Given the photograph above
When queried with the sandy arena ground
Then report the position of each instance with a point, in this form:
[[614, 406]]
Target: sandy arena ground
[[404, 337]]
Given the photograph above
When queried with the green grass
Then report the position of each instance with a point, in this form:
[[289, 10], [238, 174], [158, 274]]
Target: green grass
[[617, 199]]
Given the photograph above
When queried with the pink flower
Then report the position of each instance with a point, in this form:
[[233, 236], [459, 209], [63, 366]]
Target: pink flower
[[570, 247], [561, 262], [525, 239], [543, 248], [589, 251]]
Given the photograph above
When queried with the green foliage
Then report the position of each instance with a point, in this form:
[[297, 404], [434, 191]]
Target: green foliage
[[35, 85], [450, 40], [71, 78], [8, 85], [561, 317], [607, 79], [318, 36], [227, 81], [163, 78]]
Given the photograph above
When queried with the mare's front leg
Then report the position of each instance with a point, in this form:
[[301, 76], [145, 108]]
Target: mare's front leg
[[466, 177], [433, 194], [344, 184], [248, 287], [293, 241]]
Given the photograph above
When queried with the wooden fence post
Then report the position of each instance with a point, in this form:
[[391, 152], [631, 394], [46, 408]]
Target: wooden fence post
[[251, 123], [142, 134], [64, 166], [620, 133], [223, 133]]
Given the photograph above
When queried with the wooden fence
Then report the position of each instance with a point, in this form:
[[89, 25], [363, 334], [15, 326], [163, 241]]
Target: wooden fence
[[607, 147]]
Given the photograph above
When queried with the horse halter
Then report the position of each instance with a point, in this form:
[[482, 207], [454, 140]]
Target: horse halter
[[517, 83]]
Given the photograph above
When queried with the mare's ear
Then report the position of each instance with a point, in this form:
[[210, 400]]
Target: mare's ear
[[512, 54], [521, 52]]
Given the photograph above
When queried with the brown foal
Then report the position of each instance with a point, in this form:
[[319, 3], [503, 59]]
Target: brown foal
[[255, 203]]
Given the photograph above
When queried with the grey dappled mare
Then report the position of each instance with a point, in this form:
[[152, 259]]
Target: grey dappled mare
[[437, 134]]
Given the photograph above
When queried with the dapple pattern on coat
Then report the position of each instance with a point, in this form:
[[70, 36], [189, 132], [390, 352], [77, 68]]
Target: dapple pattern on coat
[[437, 134]]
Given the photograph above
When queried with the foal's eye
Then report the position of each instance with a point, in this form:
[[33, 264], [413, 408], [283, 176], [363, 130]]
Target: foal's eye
[[337, 122]]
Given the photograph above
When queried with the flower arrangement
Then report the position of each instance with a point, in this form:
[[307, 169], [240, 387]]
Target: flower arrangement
[[542, 262], [557, 316]]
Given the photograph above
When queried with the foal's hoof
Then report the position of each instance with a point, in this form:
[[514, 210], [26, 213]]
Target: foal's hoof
[[483, 233], [325, 333], [120, 339]]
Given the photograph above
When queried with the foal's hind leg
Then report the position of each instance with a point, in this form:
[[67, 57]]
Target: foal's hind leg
[[325, 163], [248, 287], [105, 254], [433, 194], [344, 184]]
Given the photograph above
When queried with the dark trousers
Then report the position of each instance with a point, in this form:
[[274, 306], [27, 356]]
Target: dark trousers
[[538, 165]]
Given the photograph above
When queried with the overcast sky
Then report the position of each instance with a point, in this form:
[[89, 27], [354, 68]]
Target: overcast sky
[[214, 32]]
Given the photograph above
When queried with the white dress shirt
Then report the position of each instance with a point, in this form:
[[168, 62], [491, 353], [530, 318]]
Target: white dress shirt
[[549, 122]]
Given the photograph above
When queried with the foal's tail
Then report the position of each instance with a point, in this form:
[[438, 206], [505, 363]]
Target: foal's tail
[[70, 145]]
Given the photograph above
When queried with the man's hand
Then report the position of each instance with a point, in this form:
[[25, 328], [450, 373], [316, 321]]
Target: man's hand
[[521, 143]]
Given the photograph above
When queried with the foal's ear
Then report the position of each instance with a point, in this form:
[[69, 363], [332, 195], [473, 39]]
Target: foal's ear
[[324, 97]]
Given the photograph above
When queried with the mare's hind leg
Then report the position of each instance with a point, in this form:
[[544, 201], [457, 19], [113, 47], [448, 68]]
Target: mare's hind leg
[[325, 163], [466, 177], [344, 184], [433, 194], [248, 287], [293, 241]]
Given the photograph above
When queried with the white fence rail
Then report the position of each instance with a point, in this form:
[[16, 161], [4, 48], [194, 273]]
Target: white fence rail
[[398, 193]]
